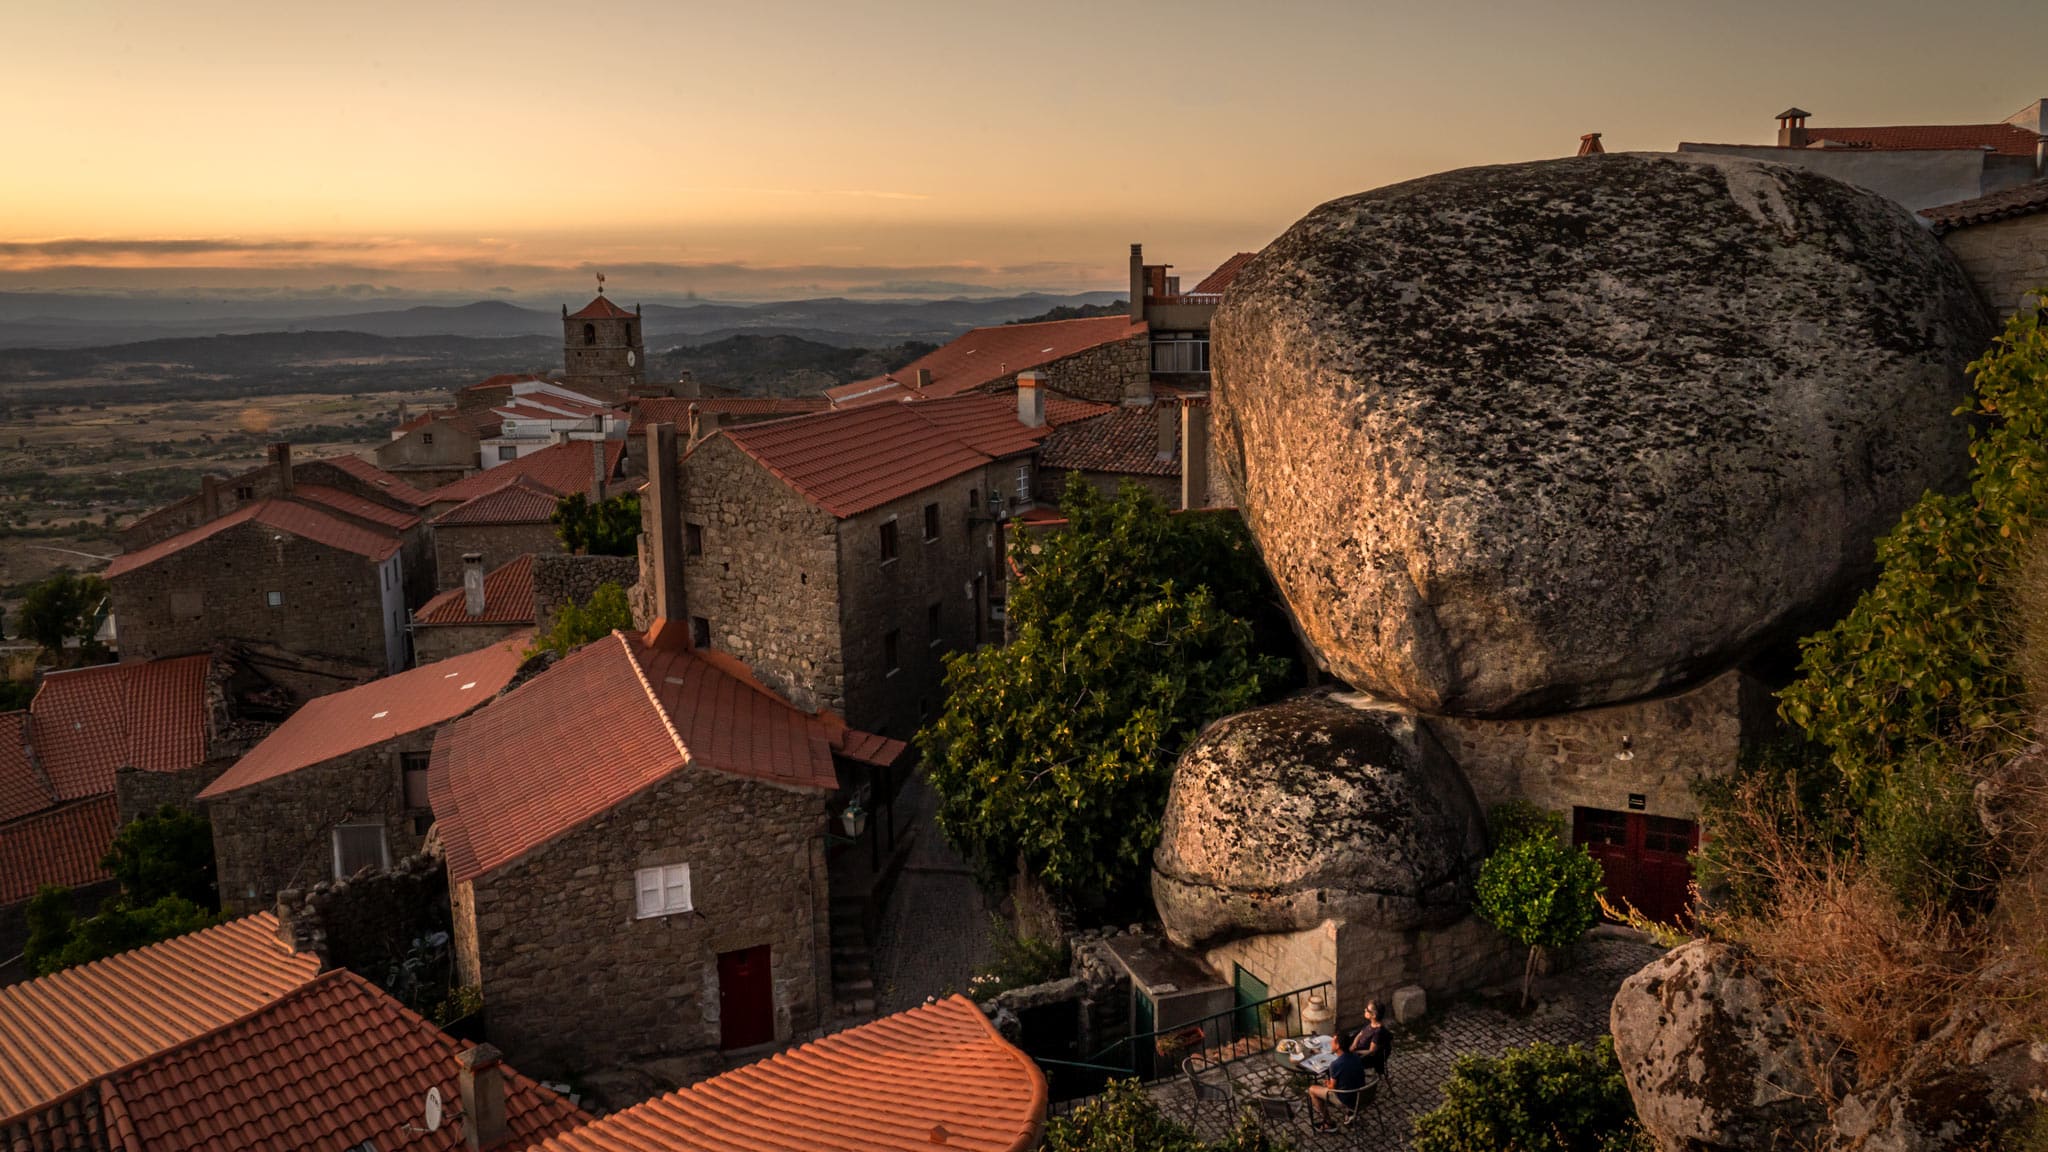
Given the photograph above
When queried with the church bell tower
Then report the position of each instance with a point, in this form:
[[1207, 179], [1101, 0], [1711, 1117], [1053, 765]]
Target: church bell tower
[[602, 348]]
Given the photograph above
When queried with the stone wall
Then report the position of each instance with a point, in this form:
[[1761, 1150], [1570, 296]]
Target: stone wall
[[216, 589], [2006, 259], [499, 544], [1574, 758], [277, 835], [1367, 963], [437, 444], [1167, 488], [138, 793], [1109, 373], [368, 924], [562, 579], [573, 981], [431, 642]]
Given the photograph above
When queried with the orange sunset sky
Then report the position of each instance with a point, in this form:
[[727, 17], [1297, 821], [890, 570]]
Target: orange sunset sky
[[756, 147]]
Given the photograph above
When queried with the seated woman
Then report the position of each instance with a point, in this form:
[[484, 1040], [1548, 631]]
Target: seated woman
[[1372, 1042]]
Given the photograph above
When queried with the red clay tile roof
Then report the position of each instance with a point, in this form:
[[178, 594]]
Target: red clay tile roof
[[2004, 139], [60, 1032], [1123, 440], [22, 790], [543, 406], [938, 1075], [369, 714], [357, 506], [61, 846], [611, 719], [503, 380], [676, 409], [330, 1065], [303, 519], [601, 308], [508, 599], [518, 499], [985, 355], [560, 468], [1225, 272], [151, 715], [377, 478], [2025, 200]]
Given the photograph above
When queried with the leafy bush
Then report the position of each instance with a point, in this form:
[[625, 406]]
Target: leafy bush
[[1542, 1098], [1133, 629], [1019, 962], [610, 527], [1126, 1119], [167, 854], [1514, 820], [1541, 893], [63, 607], [58, 940], [575, 625]]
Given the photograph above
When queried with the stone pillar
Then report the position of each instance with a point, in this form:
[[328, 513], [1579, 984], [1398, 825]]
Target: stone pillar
[[281, 453], [665, 525], [1137, 282], [1194, 455], [482, 1085]]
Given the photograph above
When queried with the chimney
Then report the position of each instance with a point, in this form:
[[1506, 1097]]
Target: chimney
[[597, 476], [1031, 399], [281, 452], [557, 436], [1792, 128], [664, 504], [482, 1085], [921, 379], [1194, 455], [1137, 282], [1166, 422], [209, 497], [473, 583], [1589, 144]]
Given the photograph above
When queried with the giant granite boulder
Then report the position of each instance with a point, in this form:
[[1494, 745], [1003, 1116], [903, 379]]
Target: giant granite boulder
[[1536, 437], [1313, 809]]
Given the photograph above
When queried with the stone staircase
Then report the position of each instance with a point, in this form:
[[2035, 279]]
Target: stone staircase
[[853, 968]]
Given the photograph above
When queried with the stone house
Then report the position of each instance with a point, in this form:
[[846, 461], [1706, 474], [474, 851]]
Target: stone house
[[539, 414], [515, 519], [436, 448], [841, 555], [341, 785], [569, 466], [2002, 242], [636, 856], [488, 607], [696, 417], [1100, 358], [1163, 447]]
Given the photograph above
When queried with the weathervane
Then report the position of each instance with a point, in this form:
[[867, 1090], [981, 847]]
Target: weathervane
[[600, 283]]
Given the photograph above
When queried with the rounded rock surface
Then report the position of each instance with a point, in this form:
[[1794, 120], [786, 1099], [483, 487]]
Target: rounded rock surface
[[1528, 438], [1311, 809]]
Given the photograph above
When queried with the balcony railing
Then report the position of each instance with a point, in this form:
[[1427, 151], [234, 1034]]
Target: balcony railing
[[1187, 298], [1209, 1042]]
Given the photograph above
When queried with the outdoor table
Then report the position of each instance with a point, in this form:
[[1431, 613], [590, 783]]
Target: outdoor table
[[1316, 1055]]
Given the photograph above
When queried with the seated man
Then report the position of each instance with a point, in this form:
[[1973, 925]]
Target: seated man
[[1372, 1041], [1342, 1085]]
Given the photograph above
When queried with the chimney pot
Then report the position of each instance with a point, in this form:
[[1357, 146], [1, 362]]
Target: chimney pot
[[281, 452], [1031, 399], [1137, 310], [921, 380], [597, 476], [1194, 455], [473, 583], [209, 497], [481, 1082], [1589, 144], [1792, 128]]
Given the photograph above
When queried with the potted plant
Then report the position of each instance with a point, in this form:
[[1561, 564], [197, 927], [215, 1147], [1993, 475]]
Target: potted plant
[[1174, 1045]]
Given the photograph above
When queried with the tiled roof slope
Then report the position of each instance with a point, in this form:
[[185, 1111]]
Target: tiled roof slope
[[676, 409], [1123, 440], [329, 1066], [62, 846], [518, 500], [508, 598], [1225, 272], [935, 1076], [351, 504], [284, 514], [59, 1032], [377, 478], [559, 468], [613, 718], [985, 355], [989, 424], [601, 308], [22, 790], [151, 715], [2025, 200], [2004, 139], [368, 714]]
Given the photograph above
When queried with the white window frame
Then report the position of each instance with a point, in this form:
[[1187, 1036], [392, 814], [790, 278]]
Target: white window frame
[[273, 599], [383, 847], [1023, 483], [663, 890]]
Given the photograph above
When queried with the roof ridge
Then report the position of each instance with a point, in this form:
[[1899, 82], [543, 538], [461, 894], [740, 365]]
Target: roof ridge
[[647, 686]]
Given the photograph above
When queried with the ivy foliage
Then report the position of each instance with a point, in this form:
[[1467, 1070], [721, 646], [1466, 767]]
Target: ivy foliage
[[1133, 629], [1542, 1098], [575, 625], [1924, 658], [610, 527]]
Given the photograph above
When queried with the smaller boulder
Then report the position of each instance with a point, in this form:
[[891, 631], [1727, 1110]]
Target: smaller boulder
[[1411, 1003]]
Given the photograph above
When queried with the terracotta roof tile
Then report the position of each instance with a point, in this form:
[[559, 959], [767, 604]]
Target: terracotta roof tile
[[676, 409], [61, 846], [503, 380], [519, 499], [508, 599], [329, 1065], [368, 714], [2004, 139], [357, 506], [62, 1031], [601, 308], [1122, 440], [612, 718], [887, 1086], [560, 468], [22, 789], [985, 355], [150, 714], [2025, 200], [1225, 272], [304, 519], [378, 478]]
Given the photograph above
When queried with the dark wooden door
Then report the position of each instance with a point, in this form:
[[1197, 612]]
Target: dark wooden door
[[1644, 860], [746, 998]]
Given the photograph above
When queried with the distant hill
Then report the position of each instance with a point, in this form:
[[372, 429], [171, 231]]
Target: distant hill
[[779, 365], [1076, 312]]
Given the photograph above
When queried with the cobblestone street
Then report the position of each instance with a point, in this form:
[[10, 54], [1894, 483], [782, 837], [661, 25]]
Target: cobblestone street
[[1573, 1008], [935, 931]]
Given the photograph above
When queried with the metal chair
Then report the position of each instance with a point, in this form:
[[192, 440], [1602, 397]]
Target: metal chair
[[1206, 1091]]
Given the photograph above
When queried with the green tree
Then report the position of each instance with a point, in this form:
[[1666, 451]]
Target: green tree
[[610, 527], [1542, 1098], [1541, 893], [575, 625], [169, 853], [116, 928], [1055, 750], [62, 607]]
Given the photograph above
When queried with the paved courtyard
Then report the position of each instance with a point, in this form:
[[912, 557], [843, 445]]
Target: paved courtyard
[[935, 931], [1573, 1008]]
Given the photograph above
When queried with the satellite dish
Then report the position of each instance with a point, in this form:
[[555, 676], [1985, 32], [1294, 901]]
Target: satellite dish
[[433, 1109]]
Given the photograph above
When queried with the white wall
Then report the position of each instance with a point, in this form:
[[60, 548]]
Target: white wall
[[1915, 180]]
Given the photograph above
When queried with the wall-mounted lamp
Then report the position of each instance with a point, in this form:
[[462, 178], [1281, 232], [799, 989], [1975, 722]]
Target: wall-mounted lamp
[[1627, 749]]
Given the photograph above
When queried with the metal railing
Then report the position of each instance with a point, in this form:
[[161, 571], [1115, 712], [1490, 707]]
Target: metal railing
[[1212, 1041]]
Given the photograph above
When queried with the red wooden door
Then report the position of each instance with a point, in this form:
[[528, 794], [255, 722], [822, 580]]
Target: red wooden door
[[746, 998], [1643, 859]]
